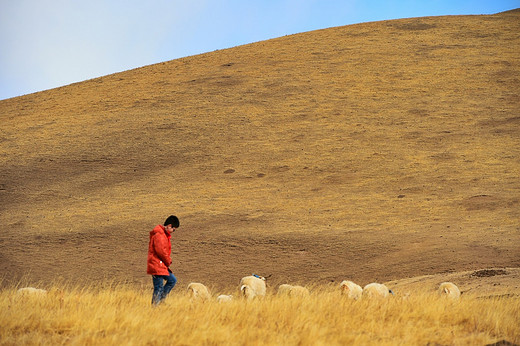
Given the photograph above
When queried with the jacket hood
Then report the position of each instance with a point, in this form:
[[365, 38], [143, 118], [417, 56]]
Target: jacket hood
[[159, 229]]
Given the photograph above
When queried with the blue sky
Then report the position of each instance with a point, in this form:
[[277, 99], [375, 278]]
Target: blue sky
[[49, 43]]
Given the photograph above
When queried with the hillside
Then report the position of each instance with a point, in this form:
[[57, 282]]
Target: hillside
[[373, 152]]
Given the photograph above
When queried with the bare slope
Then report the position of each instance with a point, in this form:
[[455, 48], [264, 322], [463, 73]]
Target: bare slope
[[375, 151]]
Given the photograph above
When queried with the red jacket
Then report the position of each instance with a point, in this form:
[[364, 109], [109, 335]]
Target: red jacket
[[159, 250]]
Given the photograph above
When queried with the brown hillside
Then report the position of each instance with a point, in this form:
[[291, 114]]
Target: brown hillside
[[372, 152]]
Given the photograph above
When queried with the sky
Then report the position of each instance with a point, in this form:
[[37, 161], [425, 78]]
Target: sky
[[45, 44]]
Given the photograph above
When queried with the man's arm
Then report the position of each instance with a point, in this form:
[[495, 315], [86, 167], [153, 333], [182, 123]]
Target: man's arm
[[161, 249]]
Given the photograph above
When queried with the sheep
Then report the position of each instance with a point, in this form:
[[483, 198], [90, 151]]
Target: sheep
[[31, 290], [224, 298], [449, 289], [284, 289], [376, 290], [299, 291], [350, 289], [293, 291], [198, 291], [252, 286]]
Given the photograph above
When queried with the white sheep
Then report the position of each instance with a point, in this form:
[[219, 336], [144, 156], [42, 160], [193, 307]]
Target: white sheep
[[350, 289], [449, 289], [299, 291], [293, 291], [252, 286], [374, 290], [198, 291], [223, 298], [284, 289], [31, 290]]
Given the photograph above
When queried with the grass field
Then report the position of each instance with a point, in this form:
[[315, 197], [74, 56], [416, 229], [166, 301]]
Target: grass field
[[117, 314]]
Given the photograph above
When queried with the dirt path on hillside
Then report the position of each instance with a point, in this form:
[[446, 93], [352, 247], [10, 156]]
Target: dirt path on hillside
[[219, 259], [489, 282]]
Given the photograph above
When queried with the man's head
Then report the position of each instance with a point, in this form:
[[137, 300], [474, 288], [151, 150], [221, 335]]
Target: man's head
[[171, 224], [173, 221]]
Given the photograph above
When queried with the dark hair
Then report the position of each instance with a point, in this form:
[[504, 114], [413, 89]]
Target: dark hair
[[172, 220]]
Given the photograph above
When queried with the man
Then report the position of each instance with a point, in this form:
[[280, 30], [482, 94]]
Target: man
[[159, 260]]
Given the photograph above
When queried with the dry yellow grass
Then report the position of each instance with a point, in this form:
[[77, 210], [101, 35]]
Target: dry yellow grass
[[119, 314]]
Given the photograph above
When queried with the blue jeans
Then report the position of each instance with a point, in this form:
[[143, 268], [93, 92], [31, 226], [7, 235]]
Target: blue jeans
[[160, 288]]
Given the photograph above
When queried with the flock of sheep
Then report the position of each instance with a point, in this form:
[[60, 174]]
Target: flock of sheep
[[254, 286]]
